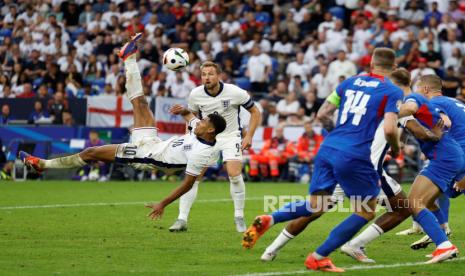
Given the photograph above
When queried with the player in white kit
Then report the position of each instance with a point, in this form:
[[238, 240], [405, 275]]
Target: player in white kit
[[390, 188], [191, 151], [215, 97]]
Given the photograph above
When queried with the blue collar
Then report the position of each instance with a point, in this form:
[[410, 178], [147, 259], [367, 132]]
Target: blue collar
[[205, 141], [208, 93]]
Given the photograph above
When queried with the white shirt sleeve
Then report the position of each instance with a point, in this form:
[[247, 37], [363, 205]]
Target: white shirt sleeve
[[241, 97], [403, 121]]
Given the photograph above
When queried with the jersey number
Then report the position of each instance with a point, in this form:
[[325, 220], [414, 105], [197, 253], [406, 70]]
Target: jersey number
[[177, 143], [356, 103]]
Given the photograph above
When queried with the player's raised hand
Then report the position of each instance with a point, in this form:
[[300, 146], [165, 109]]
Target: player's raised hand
[[246, 142], [177, 109], [157, 210]]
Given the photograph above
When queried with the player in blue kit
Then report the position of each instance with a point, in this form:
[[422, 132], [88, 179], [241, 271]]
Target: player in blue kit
[[455, 111], [446, 164], [344, 158]]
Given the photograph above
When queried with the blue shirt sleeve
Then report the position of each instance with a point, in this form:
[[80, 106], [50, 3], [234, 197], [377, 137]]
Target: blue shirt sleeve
[[394, 100], [412, 98]]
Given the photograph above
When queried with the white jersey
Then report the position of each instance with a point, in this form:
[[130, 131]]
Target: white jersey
[[226, 103], [380, 146], [179, 152]]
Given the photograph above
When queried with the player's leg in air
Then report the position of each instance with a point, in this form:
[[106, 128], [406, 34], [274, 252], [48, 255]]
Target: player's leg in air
[[143, 121]]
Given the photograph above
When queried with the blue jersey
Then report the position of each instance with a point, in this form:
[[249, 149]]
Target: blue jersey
[[364, 100], [428, 115], [455, 110]]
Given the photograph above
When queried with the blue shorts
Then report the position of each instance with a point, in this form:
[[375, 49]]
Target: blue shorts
[[444, 173], [357, 177]]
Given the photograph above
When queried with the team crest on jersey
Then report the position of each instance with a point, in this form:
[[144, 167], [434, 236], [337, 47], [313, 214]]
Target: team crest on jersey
[[187, 147], [226, 103]]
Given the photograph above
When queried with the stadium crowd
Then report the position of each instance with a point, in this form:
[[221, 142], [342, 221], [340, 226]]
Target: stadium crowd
[[289, 54]]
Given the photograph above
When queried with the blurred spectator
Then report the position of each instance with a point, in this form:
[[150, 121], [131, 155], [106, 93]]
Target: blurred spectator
[[57, 106], [67, 118], [38, 114], [451, 84], [289, 105], [181, 87], [321, 83], [307, 147], [270, 115], [96, 170], [35, 68], [298, 68], [340, 67], [6, 115], [258, 70], [27, 91], [83, 46], [310, 105], [53, 77], [273, 155], [422, 70]]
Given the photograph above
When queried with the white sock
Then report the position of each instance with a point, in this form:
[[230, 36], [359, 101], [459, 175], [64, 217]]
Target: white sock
[[66, 162], [133, 79], [372, 232], [237, 189], [445, 244], [281, 240], [318, 256], [186, 201], [416, 226]]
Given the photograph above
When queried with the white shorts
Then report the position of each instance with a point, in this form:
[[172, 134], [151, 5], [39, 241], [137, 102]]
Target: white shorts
[[145, 152], [389, 186], [230, 147]]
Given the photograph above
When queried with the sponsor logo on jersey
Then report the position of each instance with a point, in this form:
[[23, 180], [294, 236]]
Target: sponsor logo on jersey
[[360, 82], [187, 147], [226, 103]]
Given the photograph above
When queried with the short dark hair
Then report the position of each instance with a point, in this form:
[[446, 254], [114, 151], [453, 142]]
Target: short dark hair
[[218, 122], [401, 76], [384, 58]]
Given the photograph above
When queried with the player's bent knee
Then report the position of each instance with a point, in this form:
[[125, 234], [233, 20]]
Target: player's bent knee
[[89, 154]]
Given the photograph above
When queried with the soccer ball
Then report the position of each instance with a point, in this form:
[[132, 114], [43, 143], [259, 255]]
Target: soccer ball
[[175, 59]]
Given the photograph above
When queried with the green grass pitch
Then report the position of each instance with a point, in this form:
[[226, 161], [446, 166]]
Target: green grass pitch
[[102, 229]]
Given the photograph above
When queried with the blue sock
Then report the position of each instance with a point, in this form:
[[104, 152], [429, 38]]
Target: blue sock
[[439, 216], [431, 226], [292, 211], [444, 204], [341, 234]]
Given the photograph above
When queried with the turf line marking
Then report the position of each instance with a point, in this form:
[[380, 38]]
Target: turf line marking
[[111, 204], [355, 267]]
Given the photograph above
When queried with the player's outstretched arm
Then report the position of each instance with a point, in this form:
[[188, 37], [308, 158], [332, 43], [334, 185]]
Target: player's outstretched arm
[[157, 208], [186, 114], [391, 132], [423, 133], [255, 119]]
